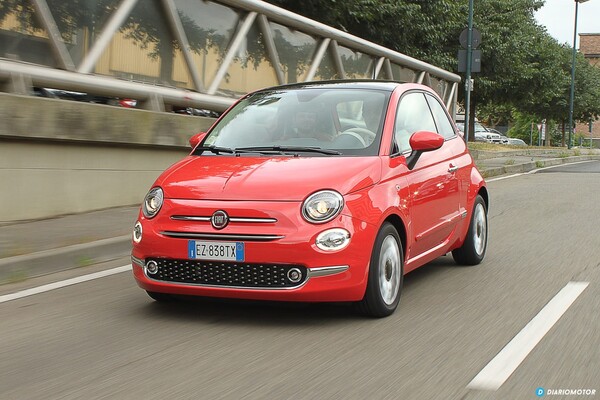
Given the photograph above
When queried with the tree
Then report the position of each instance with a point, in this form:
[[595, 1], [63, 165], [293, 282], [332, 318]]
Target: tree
[[523, 67]]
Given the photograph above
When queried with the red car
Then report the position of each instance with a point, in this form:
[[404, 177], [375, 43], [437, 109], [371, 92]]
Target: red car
[[314, 192]]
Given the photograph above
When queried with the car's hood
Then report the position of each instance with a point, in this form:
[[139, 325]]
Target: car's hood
[[266, 178]]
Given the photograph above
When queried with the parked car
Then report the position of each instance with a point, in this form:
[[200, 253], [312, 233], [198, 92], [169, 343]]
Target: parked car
[[482, 133], [69, 95], [276, 202], [503, 137], [516, 142], [196, 112]]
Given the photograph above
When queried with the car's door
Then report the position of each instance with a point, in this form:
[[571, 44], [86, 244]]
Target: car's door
[[433, 186]]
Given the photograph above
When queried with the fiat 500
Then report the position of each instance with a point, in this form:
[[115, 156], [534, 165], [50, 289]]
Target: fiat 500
[[315, 192]]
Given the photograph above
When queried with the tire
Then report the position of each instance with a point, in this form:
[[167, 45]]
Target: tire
[[160, 297], [386, 274], [474, 247]]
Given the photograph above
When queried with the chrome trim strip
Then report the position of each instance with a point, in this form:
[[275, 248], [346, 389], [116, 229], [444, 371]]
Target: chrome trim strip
[[138, 261], [225, 286], [216, 236], [231, 219], [189, 218], [436, 248], [253, 220], [326, 271]]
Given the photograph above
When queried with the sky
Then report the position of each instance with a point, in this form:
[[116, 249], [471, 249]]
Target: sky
[[558, 17]]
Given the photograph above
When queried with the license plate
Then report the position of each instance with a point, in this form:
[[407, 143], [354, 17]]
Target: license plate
[[220, 251]]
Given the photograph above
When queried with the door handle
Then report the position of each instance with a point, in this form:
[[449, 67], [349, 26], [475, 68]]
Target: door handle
[[453, 168]]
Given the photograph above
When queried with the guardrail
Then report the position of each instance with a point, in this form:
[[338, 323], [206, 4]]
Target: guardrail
[[68, 73]]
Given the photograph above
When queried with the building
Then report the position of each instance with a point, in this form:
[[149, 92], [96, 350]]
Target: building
[[589, 46]]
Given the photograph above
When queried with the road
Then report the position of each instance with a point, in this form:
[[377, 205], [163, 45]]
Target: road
[[105, 339]]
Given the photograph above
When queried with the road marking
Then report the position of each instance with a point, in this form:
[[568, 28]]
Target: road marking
[[62, 284], [493, 375], [500, 178]]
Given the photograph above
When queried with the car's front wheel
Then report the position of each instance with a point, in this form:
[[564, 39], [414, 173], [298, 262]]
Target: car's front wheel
[[386, 271], [474, 247]]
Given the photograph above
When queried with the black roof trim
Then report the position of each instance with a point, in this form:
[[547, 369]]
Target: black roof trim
[[341, 83]]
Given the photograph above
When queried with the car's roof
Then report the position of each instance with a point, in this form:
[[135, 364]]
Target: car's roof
[[342, 84]]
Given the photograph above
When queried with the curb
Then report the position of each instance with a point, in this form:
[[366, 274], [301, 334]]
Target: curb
[[479, 155], [530, 166], [26, 266]]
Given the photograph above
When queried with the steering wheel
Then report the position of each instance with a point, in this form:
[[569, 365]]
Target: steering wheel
[[367, 135]]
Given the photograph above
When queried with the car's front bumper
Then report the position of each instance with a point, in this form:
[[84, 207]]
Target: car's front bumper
[[326, 276]]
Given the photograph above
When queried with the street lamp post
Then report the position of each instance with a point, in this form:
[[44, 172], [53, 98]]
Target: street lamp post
[[572, 97], [468, 83]]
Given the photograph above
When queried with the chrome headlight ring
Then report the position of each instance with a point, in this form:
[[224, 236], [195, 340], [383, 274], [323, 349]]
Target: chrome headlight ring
[[322, 206], [153, 202]]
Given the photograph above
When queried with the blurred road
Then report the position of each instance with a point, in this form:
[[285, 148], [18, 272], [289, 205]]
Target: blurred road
[[105, 339]]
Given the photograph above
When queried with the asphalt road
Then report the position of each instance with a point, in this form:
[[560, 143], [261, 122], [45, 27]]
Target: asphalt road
[[105, 339]]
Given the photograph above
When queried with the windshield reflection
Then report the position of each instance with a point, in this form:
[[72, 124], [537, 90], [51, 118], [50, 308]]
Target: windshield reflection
[[348, 121]]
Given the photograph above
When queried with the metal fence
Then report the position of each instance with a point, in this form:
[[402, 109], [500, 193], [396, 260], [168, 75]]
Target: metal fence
[[186, 53]]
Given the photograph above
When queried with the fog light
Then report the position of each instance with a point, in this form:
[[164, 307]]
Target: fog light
[[294, 275], [333, 239], [137, 232], [152, 267]]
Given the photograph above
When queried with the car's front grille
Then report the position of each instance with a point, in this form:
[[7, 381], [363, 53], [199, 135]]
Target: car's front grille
[[230, 274]]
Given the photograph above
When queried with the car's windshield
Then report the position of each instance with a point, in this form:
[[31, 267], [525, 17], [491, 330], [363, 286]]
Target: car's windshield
[[311, 121], [478, 127]]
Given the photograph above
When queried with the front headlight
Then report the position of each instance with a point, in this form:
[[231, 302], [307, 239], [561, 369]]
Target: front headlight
[[153, 202], [323, 206]]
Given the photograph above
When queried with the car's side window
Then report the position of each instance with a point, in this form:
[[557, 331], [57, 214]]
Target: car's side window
[[444, 126], [413, 115]]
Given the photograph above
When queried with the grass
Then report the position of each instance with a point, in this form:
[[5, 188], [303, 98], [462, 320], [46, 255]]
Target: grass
[[15, 277], [510, 161], [539, 164], [486, 146], [84, 261], [13, 251]]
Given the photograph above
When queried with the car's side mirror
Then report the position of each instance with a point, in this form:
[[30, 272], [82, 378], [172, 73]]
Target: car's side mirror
[[197, 138], [421, 142]]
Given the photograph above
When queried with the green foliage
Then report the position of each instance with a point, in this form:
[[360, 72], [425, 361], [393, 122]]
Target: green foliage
[[524, 127], [523, 68]]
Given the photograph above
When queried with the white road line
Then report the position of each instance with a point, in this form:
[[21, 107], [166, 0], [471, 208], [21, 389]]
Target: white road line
[[505, 177], [510, 357], [61, 284], [500, 178]]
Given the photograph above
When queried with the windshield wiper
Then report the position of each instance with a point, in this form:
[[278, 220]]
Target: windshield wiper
[[217, 149], [227, 150], [283, 149]]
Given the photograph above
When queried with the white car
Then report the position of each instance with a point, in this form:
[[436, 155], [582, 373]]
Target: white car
[[516, 142]]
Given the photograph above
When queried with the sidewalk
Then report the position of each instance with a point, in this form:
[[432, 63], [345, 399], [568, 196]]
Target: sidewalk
[[495, 163], [35, 248]]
